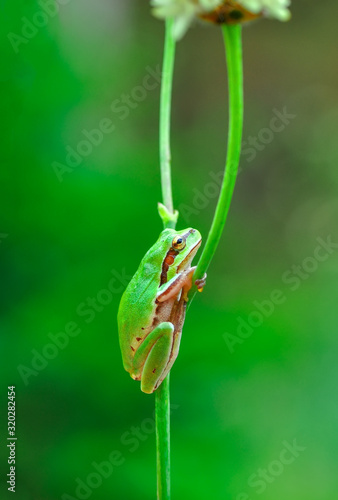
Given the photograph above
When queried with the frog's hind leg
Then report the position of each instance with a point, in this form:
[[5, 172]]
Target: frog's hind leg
[[177, 318], [152, 356]]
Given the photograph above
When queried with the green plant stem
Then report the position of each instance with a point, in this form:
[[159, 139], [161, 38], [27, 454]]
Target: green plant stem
[[233, 46], [162, 394], [162, 412], [165, 113]]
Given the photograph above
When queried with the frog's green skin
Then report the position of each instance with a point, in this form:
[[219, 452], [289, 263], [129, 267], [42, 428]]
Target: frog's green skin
[[152, 308]]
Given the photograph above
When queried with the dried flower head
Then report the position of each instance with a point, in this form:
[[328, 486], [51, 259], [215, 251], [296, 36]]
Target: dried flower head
[[218, 11]]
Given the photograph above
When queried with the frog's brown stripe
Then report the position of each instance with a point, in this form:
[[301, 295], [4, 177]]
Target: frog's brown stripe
[[170, 257], [168, 261]]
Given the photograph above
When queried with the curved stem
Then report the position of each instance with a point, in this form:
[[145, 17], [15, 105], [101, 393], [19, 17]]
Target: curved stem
[[162, 394], [233, 45]]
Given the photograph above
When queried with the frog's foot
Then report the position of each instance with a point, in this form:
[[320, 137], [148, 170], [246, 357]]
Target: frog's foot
[[201, 283]]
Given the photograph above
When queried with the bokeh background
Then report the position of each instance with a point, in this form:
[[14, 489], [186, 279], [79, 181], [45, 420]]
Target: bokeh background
[[68, 230]]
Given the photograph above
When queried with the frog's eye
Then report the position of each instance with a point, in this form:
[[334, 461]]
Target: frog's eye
[[178, 243]]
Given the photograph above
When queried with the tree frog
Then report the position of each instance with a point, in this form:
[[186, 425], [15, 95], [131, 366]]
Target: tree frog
[[152, 309]]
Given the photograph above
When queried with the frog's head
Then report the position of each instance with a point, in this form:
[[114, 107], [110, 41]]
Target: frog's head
[[181, 246]]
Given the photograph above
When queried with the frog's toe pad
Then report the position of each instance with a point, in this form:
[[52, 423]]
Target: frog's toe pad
[[201, 283]]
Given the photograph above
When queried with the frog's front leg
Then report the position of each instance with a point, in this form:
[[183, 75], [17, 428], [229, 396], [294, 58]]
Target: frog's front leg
[[152, 356], [182, 281]]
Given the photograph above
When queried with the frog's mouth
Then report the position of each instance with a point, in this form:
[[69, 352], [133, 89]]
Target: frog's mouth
[[187, 260]]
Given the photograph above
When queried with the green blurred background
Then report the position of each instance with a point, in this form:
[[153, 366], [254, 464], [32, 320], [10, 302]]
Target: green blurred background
[[64, 236]]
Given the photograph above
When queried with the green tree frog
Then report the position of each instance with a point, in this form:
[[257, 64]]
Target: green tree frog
[[152, 309]]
